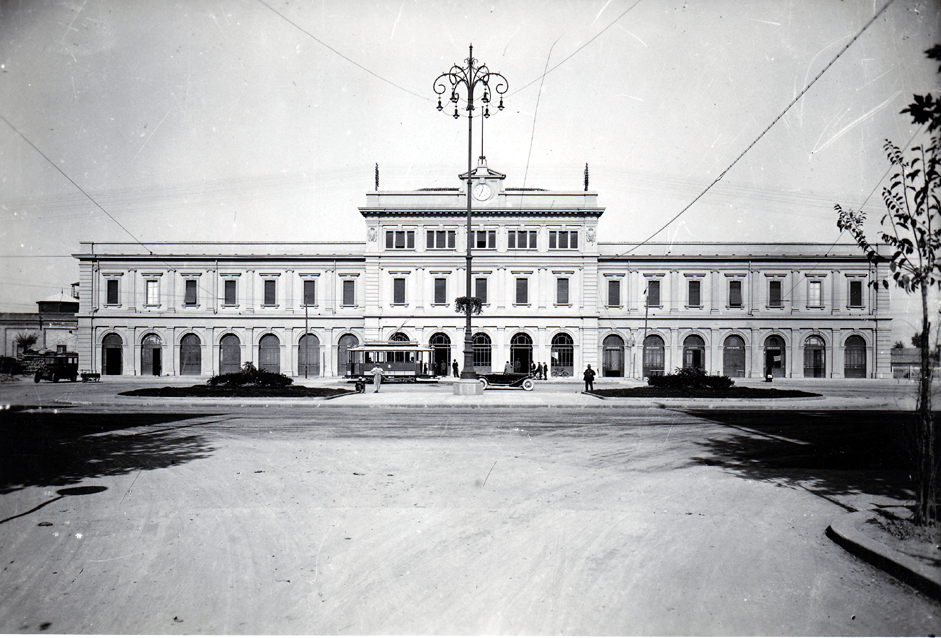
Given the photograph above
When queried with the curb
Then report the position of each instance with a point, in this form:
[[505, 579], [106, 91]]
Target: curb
[[844, 533]]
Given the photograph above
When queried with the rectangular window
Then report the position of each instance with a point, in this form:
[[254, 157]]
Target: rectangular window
[[653, 293], [774, 293], [559, 239], [349, 290], [440, 239], [735, 293], [310, 292], [856, 293], [441, 290], [112, 299], [189, 296], [153, 292], [522, 290], [562, 291], [480, 289], [230, 296], [521, 239], [614, 293], [813, 294], [694, 287], [271, 292], [485, 239], [398, 292], [400, 239]]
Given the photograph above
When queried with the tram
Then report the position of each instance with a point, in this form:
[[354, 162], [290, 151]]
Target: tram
[[405, 361]]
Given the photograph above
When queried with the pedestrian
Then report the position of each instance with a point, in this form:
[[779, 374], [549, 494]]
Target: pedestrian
[[532, 368], [542, 371], [589, 377], [376, 378], [455, 369], [507, 369]]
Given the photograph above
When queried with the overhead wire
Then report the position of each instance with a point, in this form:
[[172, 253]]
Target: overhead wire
[[767, 128]]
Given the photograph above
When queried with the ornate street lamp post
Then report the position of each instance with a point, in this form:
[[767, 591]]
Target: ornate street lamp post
[[466, 80]]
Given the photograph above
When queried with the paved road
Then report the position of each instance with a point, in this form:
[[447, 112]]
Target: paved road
[[403, 521]]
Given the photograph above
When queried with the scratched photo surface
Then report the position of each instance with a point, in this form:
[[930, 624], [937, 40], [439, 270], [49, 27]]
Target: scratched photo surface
[[269, 121]]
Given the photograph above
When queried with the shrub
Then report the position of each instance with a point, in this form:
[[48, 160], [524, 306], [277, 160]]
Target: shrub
[[250, 375], [691, 379]]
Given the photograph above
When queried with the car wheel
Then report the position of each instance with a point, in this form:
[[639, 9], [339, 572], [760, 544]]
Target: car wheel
[[483, 382], [528, 385]]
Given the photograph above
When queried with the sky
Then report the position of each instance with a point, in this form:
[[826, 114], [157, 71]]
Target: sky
[[263, 120]]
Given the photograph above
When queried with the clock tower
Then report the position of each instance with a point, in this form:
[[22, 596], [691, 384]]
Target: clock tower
[[485, 183]]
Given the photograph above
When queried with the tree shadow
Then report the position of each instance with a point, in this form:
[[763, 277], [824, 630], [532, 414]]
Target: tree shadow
[[63, 448], [832, 453]]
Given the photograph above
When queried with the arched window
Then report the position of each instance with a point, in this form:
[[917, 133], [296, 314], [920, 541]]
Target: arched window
[[612, 359], [230, 354], [482, 353], [815, 357], [854, 356], [653, 356], [269, 353], [774, 356], [733, 356], [562, 355], [151, 355], [399, 337], [440, 344], [521, 352], [346, 342], [191, 355], [694, 352], [308, 356], [111, 349]]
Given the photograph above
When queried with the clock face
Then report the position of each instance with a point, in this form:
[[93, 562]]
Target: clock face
[[482, 191]]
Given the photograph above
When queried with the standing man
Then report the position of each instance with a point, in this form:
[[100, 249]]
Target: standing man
[[455, 369], [376, 373], [589, 377]]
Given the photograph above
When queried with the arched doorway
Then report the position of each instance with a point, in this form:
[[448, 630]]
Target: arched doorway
[[151, 355], [815, 357], [733, 356], [308, 356], [440, 345], [346, 342], [612, 358], [230, 354], [774, 356], [111, 359], [191, 355], [653, 356], [483, 363], [694, 352], [562, 355], [521, 352], [854, 358], [269, 353]]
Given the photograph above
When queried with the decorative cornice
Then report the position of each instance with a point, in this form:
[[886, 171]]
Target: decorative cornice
[[462, 212]]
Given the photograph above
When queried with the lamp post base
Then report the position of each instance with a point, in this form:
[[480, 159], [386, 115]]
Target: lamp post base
[[468, 387]]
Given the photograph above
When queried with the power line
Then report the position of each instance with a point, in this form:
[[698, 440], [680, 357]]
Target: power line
[[571, 55], [768, 128], [54, 165], [348, 59]]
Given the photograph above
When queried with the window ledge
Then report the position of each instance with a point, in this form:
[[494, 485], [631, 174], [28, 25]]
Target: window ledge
[[523, 305], [270, 305], [230, 305], [151, 305], [564, 305]]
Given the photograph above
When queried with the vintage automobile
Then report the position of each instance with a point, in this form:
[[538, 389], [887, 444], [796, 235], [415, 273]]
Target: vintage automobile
[[513, 380], [58, 365]]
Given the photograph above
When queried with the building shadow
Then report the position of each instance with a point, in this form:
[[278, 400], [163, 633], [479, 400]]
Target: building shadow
[[62, 447], [832, 453]]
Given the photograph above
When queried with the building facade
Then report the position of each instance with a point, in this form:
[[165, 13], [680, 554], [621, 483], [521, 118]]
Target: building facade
[[552, 293]]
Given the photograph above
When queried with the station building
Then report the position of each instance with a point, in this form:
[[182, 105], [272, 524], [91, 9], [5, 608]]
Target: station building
[[552, 293]]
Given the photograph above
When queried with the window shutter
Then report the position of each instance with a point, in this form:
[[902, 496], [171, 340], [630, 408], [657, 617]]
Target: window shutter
[[230, 292], [774, 293], [695, 298], [856, 293], [112, 291], [522, 291], [398, 291], [562, 291], [349, 297], [481, 290], [270, 292], [653, 293], [189, 298], [310, 292], [441, 291], [735, 293], [614, 292]]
